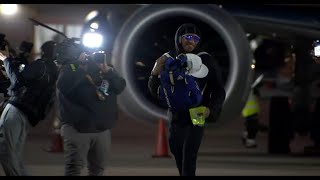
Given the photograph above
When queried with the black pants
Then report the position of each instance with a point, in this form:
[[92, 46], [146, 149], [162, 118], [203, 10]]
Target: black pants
[[280, 125], [315, 124], [301, 120], [184, 144], [252, 126]]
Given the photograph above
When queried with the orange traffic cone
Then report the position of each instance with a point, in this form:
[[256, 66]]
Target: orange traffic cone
[[56, 142], [161, 149]]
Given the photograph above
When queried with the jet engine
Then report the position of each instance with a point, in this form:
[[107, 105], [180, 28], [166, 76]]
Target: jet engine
[[149, 32]]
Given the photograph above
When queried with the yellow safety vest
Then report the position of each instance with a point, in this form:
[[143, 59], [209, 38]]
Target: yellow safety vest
[[251, 107]]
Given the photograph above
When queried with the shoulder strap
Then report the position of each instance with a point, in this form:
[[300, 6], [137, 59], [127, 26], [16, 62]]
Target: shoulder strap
[[99, 94], [205, 86], [167, 54], [202, 53], [199, 54], [44, 70]]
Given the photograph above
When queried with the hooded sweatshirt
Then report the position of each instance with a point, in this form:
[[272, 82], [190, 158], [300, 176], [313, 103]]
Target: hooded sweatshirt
[[79, 105], [214, 93]]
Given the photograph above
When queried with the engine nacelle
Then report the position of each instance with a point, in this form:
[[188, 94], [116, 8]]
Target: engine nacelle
[[134, 102]]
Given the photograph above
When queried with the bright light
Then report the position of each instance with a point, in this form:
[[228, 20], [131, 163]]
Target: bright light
[[253, 66], [94, 25], [92, 40], [253, 44], [91, 15], [8, 9], [140, 63]]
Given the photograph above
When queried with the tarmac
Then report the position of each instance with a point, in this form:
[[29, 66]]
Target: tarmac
[[133, 144]]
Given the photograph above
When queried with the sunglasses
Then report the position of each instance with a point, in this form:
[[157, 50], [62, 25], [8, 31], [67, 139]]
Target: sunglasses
[[190, 37]]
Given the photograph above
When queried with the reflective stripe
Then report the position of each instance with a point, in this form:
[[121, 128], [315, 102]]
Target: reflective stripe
[[73, 67], [201, 53], [167, 99], [171, 77], [205, 86], [251, 107]]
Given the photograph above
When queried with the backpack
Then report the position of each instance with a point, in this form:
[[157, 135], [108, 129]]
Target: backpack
[[46, 97], [178, 90], [37, 98]]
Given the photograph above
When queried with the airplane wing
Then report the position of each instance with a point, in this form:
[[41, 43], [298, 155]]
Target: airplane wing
[[278, 20]]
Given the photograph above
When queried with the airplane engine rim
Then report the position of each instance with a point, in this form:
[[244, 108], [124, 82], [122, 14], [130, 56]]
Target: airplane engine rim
[[132, 102]]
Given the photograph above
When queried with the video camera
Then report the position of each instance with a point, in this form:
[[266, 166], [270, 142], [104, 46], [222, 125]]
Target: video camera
[[70, 49], [98, 57]]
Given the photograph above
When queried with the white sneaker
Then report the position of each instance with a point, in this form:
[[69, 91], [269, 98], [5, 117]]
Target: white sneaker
[[244, 137], [250, 143]]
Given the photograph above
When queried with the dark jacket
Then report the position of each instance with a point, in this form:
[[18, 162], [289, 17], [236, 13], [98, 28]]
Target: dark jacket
[[79, 105], [214, 94], [32, 90]]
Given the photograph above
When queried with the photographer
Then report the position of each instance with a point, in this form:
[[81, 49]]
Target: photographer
[[4, 80], [31, 93], [87, 92]]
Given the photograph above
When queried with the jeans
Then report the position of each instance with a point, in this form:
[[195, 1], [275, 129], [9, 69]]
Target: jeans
[[85, 148], [184, 142], [14, 127]]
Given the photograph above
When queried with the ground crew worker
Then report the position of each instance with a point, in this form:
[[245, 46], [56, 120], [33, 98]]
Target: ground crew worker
[[250, 112]]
